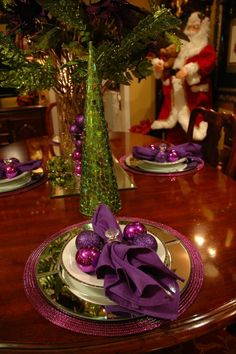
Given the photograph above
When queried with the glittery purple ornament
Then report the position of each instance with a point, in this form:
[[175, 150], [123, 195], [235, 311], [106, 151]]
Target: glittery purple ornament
[[87, 258], [172, 156], [88, 238], [78, 169], [132, 229], [11, 171], [79, 120], [160, 156], [76, 155], [144, 240], [74, 129]]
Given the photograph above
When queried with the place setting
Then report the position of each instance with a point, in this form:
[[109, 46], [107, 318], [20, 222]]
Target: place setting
[[164, 160], [113, 276], [16, 176]]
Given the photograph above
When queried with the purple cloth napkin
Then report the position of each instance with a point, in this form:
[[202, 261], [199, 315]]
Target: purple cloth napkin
[[103, 220], [152, 153], [19, 166], [135, 277]]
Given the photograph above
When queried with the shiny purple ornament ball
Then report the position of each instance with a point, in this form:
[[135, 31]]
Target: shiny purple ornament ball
[[145, 240], [172, 156], [132, 229], [87, 258], [79, 144], [88, 238], [160, 156], [10, 171], [78, 169], [76, 155], [74, 129], [79, 120]]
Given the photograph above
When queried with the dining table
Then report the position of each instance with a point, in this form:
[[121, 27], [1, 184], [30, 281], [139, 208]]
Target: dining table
[[197, 208]]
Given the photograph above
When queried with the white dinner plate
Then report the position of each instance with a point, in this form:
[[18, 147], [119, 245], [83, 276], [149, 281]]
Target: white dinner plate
[[158, 167], [10, 184], [90, 280], [165, 163]]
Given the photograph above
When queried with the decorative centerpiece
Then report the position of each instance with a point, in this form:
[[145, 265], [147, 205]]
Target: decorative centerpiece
[[46, 46], [98, 181]]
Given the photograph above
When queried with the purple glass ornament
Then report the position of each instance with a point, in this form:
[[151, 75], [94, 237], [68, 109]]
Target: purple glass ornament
[[88, 238], [144, 240], [74, 129], [76, 155], [79, 120], [160, 156], [78, 169], [172, 156], [87, 258], [132, 229], [11, 171], [78, 144]]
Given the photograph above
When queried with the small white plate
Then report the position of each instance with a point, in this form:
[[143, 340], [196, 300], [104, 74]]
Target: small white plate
[[16, 182], [90, 280]]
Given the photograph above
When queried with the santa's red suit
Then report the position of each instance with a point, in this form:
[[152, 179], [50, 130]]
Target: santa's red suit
[[197, 58]]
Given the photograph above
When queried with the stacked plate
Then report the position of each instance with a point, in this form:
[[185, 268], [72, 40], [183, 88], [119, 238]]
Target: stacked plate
[[160, 167], [10, 184], [87, 286]]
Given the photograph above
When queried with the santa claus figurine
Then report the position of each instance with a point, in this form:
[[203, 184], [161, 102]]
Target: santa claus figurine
[[190, 86]]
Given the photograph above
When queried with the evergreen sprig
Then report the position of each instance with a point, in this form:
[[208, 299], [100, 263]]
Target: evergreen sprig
[[61, 41]]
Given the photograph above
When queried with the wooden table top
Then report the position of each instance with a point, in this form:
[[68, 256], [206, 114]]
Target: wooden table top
[[200, 206]]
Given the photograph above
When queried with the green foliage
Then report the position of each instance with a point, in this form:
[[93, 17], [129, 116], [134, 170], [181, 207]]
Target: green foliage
[[60, 172], [59, 41]]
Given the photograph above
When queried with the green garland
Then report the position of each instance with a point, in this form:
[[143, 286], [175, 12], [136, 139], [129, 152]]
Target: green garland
[[60, 172]]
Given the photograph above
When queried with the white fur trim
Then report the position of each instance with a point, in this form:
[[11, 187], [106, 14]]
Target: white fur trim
[[200, 132], [193, 76], [165, 124]]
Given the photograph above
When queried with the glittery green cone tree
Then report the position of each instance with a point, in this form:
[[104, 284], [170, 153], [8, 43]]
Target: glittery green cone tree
[[98, 181]]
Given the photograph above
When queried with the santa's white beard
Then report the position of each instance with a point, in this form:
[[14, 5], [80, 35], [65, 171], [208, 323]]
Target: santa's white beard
[[197, 41]]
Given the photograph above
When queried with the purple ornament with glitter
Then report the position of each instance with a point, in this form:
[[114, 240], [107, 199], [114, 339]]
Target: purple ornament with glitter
[[88, 238], [144, 240], [133, 229], [87, 258]]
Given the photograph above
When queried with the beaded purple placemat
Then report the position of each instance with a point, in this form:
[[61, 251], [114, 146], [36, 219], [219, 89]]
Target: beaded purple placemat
[[198, 167], [103, 328], [35, 181]]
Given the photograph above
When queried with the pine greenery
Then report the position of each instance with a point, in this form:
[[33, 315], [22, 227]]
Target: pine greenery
[[58, 33]]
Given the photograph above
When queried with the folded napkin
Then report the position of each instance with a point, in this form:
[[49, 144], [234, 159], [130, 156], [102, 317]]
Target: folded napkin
[[134, 277], [161, 152], [17, 166], [103, 220]]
